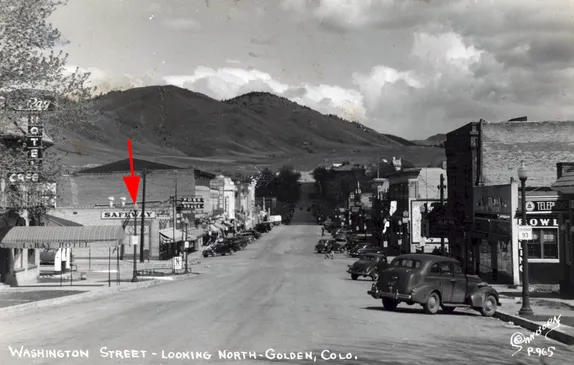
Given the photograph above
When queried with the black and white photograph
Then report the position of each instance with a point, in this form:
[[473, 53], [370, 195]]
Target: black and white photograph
[[352, 182]]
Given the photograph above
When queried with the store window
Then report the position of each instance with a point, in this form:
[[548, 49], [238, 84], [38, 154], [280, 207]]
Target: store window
[[32, 258], [18, 258], [544, 244]]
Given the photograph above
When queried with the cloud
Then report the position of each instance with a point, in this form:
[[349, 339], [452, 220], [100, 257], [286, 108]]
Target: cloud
[[226, 83], [467, 59], [180, 24], [106, 82]]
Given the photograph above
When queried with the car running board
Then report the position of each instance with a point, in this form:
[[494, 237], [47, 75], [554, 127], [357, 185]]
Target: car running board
[[450, 305]]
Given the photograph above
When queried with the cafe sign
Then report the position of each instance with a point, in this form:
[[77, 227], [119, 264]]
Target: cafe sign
[[539, 222]]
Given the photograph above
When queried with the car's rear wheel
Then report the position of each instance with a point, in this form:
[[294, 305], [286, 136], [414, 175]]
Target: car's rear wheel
[[433, 303], [489, 306], [354, 277], [390, 304]]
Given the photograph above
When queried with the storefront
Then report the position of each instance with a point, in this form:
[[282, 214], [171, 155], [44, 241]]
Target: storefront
[[494, 254], [543, 214], [22, 245]]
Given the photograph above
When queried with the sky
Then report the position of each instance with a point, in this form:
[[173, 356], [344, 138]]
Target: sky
[[413, 68]]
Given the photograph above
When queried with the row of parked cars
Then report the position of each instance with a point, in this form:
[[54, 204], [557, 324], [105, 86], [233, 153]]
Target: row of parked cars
[[229, 245], [433, 281]]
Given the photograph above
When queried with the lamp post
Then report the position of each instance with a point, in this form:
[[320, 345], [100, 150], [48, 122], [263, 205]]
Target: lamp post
[[525, 310], [135, 274]]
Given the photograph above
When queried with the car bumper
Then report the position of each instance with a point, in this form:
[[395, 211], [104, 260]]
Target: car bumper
[[377, 294], [357, 272]]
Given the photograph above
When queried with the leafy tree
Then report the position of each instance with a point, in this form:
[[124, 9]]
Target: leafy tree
[[29, 68], [287, 186]]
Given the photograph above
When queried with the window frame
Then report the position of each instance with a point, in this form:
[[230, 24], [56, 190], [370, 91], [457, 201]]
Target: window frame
[[540, 243]]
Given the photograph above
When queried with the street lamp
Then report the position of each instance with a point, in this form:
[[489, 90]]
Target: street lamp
[[135, 274], [525, 310]]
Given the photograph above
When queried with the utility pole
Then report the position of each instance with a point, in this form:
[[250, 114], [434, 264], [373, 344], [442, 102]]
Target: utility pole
[[174, 210], [441, 189], [135, 272], [142, 219]]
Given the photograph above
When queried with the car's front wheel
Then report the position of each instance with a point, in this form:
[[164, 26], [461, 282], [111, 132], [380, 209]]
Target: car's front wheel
[[433, 304], [390, 304], [375, 276], [354, 277], [489, 306]]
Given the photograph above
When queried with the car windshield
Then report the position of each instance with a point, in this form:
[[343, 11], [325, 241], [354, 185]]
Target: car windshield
[[408, 263], [369, 258]]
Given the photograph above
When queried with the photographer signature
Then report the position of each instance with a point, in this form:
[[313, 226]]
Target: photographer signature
[[518, 339]]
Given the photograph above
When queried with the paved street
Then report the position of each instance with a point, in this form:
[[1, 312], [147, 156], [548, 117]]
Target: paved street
[[277, 294]]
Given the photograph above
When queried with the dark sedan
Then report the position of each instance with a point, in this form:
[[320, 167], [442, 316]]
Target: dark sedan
[[369, 265], [434, 282]]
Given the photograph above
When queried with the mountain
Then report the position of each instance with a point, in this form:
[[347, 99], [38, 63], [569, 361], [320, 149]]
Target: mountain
[[437, 140], [172, 121]]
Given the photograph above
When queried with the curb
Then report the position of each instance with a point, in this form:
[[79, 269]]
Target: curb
[[90, 295], [556, 334]]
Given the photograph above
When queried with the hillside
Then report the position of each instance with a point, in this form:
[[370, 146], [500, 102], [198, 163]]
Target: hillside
[[436, 140], [176, 123]]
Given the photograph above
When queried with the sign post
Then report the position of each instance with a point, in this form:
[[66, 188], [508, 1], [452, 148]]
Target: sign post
[[525, 233]]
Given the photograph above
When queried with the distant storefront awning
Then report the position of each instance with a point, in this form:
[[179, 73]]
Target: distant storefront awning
[[166, 235], [60, 237], [194, 234]]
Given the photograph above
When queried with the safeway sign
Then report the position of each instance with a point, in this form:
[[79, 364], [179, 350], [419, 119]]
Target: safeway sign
[[126, 214]]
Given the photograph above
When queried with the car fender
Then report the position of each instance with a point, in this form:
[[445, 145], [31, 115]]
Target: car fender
[[423, 291], [476, 298]]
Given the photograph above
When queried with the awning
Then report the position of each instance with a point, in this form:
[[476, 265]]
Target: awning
[[194, 234], [60, 237], [166, 235]]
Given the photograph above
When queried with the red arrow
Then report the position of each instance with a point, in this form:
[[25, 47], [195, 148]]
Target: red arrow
[[132, 182]]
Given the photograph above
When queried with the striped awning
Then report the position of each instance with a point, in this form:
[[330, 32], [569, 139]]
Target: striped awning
[[61, 237], [166, 235]]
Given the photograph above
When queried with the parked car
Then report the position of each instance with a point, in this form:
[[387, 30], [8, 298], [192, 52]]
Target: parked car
[[369, 265], [255, 234], [354, 252], [370, 249], [219, 248], [263, 227], [247, 235], [322, 245], [434, 282]]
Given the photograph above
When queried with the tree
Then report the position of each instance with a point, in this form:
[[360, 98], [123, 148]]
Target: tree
[[29, 68], [264, 186], [286, 185]]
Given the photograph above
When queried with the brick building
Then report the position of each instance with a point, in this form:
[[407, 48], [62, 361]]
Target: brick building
[[83, 197], [485, 153]]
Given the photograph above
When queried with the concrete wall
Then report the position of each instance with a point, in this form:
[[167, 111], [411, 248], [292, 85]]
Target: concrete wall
[[540, 144]]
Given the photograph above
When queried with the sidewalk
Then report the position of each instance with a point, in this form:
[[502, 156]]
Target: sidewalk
[[553, 316], [53, 290]]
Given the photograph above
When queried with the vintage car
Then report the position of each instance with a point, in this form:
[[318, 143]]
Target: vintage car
[[246, 235], [369, 250], [220, 248], [370, 265], [321, 246], [435, 282], [363, 247], [255, 234], [263, 227]]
